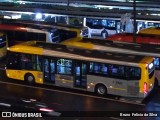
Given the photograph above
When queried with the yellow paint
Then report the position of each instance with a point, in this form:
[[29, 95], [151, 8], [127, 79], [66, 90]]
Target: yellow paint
[[26, 48], [150, 30], [118, 88], [19, 75], [145, 74], [75, 42]]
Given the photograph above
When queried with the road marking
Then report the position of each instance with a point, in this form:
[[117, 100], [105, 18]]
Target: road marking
[[127, 102]]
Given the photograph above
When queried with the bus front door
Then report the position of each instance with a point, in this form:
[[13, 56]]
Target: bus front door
[[80, 80], [49, 71]]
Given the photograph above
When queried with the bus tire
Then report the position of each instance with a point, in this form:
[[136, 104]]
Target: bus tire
[[104, 34], [101, 89], [29, 78]]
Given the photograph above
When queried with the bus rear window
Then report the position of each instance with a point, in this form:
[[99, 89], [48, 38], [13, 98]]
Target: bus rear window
[[151, 69], [156, 63]]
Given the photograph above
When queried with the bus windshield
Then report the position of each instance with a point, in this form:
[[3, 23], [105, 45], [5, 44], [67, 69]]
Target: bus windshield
[[100, 23]]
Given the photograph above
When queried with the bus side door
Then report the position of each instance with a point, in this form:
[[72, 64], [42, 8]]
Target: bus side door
[[49, 70], [80, 75]]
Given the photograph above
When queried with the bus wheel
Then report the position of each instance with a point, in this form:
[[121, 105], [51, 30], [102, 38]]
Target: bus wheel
[[101, 90], [104, 34], [29, 78]]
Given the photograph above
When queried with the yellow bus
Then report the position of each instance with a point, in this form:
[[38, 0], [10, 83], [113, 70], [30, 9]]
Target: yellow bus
[[89, 70], [121, 47], [3, 45], [150, 30]]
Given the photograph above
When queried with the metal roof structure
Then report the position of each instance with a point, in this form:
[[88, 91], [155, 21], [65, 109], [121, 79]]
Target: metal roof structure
[[146, 9]]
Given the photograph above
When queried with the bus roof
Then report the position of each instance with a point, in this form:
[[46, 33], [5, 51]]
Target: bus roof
[[6, 27], [12, 28], [121, 47], [150, 30], [58, 50], [140, 38], [35, 24]]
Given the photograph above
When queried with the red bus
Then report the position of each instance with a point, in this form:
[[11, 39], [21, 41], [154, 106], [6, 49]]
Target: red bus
[[140, 38]]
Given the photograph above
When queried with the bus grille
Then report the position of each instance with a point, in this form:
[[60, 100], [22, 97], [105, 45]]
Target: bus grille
[[132, 90]]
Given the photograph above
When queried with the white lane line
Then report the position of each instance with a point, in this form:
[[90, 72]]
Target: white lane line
[[75, 93]]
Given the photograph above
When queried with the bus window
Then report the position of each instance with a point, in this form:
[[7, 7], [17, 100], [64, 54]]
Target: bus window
[[101, 27], [133, 73], [28, 62], [156, 63], [111, 23], [13, 61], [151, 69], [64, 35], [98, 68], [116, 71], [64, 66], [39, 63], [55, 38]]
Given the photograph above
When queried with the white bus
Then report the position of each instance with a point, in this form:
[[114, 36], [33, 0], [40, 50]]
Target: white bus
[[89, 70], [102, 27]]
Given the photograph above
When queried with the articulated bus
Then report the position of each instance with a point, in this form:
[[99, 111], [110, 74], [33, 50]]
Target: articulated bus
[[88, 70], [121, 47], [3, 45], [53, 34], [140, 38]]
